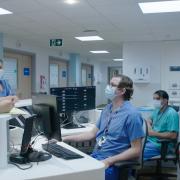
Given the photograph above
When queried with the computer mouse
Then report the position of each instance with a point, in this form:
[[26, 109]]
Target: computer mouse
[[37, 156]]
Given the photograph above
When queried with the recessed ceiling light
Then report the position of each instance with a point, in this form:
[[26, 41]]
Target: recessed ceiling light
[[89, 38], [160, 7], [99, 52], [4, 11], [71, 1], [118, 59]]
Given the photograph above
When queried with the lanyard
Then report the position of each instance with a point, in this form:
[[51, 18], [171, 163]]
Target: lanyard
[[106, 129], [161, 115]]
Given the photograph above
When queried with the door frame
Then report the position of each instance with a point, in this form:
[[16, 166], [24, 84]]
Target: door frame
[[92, 72], [59, 60], [33, 62]]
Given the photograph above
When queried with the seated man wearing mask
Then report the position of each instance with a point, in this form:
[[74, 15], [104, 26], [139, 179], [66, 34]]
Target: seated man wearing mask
[[163, 124], [118, 131]]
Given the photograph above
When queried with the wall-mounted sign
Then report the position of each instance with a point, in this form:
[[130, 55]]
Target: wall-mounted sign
[[55, 42], [26, 71], [64, 74], [174, 68]]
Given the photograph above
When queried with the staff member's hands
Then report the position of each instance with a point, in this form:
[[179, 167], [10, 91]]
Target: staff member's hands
[[13, 98], [6, 105]]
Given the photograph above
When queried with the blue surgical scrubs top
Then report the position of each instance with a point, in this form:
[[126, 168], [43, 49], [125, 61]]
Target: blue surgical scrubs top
[[125, 126], [6, 88]]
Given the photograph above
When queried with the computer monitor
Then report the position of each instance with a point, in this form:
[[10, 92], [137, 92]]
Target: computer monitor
[[28, 126], [45, 106], [73, 99], [22, 156]]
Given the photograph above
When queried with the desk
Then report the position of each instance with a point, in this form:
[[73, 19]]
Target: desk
[[67, 132], [56, 168], [23, 103]]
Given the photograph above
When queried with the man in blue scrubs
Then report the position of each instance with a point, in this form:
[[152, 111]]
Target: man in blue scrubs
[[118, 131], [163, 124]]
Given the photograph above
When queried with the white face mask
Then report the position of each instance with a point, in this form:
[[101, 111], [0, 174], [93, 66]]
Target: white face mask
[[157, 104], [1, 73], [110, 92]]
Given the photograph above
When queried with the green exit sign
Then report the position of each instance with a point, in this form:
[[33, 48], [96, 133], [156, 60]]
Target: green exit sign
[[55, 42]]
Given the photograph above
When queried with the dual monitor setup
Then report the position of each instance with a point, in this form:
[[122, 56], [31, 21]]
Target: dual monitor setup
[[51, 112]]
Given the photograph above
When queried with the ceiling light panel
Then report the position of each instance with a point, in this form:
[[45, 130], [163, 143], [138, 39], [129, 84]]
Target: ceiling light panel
[[71, 2], [99, 52], [4, 11], [90, 38], [118, 59], [160, 7]]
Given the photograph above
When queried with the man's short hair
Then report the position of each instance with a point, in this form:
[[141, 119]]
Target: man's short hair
[[126, 83], [162, 94]]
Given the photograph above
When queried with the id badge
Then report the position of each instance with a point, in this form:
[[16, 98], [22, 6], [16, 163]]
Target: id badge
[[101, 141]]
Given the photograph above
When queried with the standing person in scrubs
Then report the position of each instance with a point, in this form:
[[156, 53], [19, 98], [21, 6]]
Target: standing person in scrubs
[[5, 88]]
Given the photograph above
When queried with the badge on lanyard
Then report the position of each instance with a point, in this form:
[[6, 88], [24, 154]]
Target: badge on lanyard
[[101, 141]]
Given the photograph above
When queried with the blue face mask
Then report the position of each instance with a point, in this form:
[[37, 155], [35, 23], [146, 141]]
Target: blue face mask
[[110, 92], [157, 104]]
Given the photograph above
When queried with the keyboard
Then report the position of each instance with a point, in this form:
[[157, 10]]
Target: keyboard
[[59, 151]]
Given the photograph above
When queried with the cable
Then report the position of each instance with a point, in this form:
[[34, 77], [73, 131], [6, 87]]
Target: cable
[[17, 165], [36, 138], [65, 124], [11, 147], [64, 120]]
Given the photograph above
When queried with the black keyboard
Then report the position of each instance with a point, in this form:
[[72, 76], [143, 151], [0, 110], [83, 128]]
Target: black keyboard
[[59, 151]]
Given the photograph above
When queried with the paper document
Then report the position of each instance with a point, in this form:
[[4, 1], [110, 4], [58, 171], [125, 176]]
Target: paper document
[[18, 111]]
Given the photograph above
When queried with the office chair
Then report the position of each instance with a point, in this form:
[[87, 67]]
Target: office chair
[[164, 157], [125, 166]]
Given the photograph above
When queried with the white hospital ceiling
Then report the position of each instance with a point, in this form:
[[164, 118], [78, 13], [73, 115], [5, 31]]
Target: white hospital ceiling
[[116, 21]]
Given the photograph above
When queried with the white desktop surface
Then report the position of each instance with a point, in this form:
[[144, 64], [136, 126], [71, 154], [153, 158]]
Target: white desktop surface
[[23, 103], [67, 132], [57, 168]]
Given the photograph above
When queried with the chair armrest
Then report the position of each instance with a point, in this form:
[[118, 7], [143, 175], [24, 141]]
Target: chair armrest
[[125, 164], [178, 153], [164, 146]]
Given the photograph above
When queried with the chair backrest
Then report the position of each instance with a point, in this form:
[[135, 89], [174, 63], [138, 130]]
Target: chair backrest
[[145, 129]]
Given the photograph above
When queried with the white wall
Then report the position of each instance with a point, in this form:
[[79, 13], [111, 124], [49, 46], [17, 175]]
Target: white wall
[[159, 56], [147, 54], [171, 57]]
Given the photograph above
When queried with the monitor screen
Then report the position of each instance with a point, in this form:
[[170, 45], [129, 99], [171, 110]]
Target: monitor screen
[[45, 106], [73, 99]]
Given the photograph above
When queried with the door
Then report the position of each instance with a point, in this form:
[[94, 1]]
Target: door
[[24, 76], [87, 74], [58, 72]]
